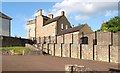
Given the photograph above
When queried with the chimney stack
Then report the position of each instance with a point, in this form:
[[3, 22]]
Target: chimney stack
[[50, 16], [62, 13], [40, 12]]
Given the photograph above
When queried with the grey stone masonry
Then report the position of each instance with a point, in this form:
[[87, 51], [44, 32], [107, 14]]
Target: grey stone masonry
[[99, 46]]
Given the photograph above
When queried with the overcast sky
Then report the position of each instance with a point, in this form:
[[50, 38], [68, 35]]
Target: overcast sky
[[77, 11]]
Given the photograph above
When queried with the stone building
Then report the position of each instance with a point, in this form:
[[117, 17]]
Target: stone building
[[5, 25], [51, 26], [31, 29]]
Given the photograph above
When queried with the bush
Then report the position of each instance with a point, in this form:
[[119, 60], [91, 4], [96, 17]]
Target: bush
[[112, 25]]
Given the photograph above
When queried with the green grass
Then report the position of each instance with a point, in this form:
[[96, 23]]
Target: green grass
[[17, 50]]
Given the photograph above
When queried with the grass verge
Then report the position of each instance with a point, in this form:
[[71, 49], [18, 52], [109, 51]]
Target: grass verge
[[17, 49]]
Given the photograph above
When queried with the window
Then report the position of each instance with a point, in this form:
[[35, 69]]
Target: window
[[62, 26], [29, 32], [44, 40], [84, 40], [66, 26], [33, 38]]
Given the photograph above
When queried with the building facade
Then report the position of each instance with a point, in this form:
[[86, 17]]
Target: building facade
[[31, 29], [49, 25], [5, 25]]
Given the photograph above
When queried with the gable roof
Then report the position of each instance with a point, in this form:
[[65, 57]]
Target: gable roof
[[70, 30], [5, 16], [52, 20]]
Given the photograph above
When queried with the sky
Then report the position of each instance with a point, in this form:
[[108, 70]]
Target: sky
[[77, 12]]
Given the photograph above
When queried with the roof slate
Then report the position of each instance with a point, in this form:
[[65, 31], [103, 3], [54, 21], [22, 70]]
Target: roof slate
[[70, 30], [5, 16], [45, 17], [52, 20]]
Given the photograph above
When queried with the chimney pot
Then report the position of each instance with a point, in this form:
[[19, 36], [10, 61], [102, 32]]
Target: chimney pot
[[40, 12], [50, 16], [62, 13], [72, 25]]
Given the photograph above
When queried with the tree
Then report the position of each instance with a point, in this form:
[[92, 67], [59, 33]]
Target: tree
[[112, 25]]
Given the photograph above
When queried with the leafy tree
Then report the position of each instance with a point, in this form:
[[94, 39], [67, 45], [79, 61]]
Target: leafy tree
[[112, 25]]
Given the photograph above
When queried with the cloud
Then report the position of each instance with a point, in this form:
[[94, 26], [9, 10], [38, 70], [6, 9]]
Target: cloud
[[85, 8], [110, 13], [36, 14], [32, 17], [79, 17]]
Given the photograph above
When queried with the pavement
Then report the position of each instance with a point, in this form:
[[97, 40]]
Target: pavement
[[50, 63]]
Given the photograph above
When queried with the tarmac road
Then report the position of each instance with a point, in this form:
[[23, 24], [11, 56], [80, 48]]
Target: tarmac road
[[49, 63]]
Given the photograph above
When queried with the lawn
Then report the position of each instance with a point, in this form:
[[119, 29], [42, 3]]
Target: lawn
[[17, 49]]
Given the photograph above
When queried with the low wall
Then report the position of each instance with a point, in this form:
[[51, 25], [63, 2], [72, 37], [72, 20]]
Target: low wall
[[99, 46], [77, 69], [14, 41], [82, 69]]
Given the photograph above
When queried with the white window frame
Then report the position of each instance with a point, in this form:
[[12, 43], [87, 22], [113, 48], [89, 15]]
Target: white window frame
[[66, 26], [62, 26]]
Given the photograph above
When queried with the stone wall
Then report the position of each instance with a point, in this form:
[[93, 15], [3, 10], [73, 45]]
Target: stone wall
[[66, 50], [77, 69], [14, 41], [99, 46]]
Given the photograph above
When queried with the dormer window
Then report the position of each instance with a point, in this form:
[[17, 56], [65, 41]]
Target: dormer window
[[62, 26]]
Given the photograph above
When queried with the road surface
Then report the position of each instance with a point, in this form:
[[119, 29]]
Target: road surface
[[49, 63]]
